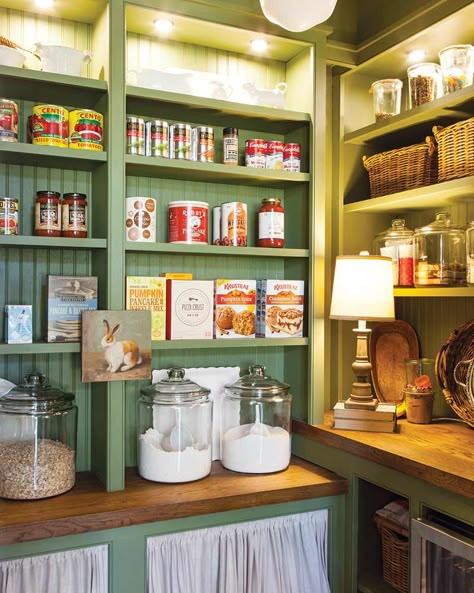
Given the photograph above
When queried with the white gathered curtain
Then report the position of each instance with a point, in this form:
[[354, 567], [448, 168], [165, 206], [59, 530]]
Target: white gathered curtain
[[83, 570], [281, 555]]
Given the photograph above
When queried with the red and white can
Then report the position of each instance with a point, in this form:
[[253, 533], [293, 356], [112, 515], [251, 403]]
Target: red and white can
[[274, 155], [188, 222], [292, 157], [8, 121], [255, 153]]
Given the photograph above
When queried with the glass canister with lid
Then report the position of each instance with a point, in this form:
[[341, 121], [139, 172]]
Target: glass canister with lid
[[397, 242], [174, 422], [470, 253], [387, 95], [37, 440], [457, 67], [424, 81], [256, 424], [440, 253]]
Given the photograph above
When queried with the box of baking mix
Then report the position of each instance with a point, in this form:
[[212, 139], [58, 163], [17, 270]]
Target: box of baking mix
[[280, 308], [235, 308], [189, 309]]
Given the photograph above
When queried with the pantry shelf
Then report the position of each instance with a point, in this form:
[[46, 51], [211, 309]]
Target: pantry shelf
[[197, 249], [51, 242], [237, 343], [434, 292], [40, 348], [19, 153]]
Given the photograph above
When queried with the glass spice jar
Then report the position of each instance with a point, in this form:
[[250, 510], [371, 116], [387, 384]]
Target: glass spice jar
[[271, 223], [424, 81], [48, 214], [387, 97], [74, 215]]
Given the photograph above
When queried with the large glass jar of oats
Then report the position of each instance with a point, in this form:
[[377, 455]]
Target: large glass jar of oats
[[37, 440]]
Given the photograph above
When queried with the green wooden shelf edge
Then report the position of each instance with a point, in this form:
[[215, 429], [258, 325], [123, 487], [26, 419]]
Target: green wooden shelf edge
[[143, 166], [434, 292], [20, 153], [180, 249], [430, 196], [237, 343], [51, 242], [40, 348]]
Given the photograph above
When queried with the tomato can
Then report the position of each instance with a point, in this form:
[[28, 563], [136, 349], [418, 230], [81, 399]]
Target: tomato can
[[203, 144], [86, 129], [157, 138], [8, 216], [187, 222], [49, 125], [180, 141], [8, 121], [48, 214], [255, 151], [140, 219], [234, 224], [274, 155], [292, 157], [135, 135]]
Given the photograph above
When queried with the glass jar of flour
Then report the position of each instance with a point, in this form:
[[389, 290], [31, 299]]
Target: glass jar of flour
[[256, 424], [174, 422]]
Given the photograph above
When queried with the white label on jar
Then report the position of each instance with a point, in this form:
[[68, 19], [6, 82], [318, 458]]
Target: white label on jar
[[271, 225], [231, 151]]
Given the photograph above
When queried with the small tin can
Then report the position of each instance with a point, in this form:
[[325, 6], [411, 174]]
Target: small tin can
[[74, 215], [8, 121], [157, 138], [203, 144], [136, 135], [180, 141], [255, 151], [274, 155], [49, 125], [86, 129], [234, 224], [8, 216], [48, 214], [292, 157], [140, 219], [187, 222], [216, 225]]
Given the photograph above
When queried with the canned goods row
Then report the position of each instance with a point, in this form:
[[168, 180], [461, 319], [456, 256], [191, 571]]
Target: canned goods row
[[272, 154]]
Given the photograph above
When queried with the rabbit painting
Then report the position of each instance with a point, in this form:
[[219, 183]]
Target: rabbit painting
[[120, 355]]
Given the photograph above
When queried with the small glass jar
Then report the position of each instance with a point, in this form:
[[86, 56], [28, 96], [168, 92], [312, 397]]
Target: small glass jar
[[424, 81], [174, 423], [74, 215], [256, 424], [457, 67], [440, 253], [397, 243], [420, 389], [271, 223], [387, 97], [48, 214], [37, 440], [231, 146], [470, 253]]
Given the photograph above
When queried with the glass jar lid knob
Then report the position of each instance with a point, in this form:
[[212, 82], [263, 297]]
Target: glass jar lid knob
[[176, 375]]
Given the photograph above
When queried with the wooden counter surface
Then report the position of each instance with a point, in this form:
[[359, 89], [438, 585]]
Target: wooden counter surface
[[87, 507], [441, 453]]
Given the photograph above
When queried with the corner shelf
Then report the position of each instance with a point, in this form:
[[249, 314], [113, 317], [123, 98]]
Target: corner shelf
[[21, 153], [234, 343], [51, 242], [181, 249]]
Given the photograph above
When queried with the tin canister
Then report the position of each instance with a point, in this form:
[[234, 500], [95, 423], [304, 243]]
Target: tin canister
[[203, 144], [274, 155], [292, 157], [216, 225], [140, 220], [255, 151], [49, 125], [187, 222], [135, 135], [234, 224], [157, 138], [180, 141], [86, 129], [8, 121], [8, 216]]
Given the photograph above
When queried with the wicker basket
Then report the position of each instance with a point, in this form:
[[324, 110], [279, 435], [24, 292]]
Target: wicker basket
[[459, 347], [394, 553], [455, 150], [402, 168]]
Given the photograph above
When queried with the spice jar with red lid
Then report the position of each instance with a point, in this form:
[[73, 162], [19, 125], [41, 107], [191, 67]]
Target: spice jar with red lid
[[271, 223], [48, 214], [74, 210]]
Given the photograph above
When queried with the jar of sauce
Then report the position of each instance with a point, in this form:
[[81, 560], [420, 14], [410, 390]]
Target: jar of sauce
[[271, 223], [74, 210], [48, 214]]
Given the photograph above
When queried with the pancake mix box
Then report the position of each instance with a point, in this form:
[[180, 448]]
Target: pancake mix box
[[235, 308], [189, 309], [280, 308]]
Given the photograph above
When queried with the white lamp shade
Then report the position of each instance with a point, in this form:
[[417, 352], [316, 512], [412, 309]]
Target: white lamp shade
[[297, 15], [363, 288]]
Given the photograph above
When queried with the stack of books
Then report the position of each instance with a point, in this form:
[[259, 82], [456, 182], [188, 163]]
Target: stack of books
[[382, 419]]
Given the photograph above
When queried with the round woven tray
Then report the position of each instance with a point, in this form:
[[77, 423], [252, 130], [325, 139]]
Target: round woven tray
[[459, 347]]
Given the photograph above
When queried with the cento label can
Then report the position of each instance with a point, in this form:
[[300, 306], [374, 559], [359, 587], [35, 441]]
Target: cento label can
[[292, 157], [8, 216], [187, 222], [49, 125], [203, 144], [180, 141], [135, 135], [255, 151], [157, 138], [8, 121], [234, 224], [86, 129]]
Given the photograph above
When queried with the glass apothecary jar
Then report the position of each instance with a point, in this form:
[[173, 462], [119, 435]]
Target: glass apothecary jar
[[420, 389], [470, 253], [457, 67], [397, 242], [424, 81], [387, 95], [256, 424], [174, 423], [37, 440], [440, 253]]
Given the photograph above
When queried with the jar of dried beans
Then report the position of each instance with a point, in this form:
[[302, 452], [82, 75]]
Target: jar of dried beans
[[424, 82]]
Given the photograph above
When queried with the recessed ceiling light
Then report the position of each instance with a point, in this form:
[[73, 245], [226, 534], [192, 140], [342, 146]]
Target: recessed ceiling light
[[163, 26], [417, 55], [44, 3], [259, 46]]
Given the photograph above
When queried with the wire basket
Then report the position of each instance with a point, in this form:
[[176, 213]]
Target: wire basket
[[395, 555], [459, 348], [403, 168], [455, 150]]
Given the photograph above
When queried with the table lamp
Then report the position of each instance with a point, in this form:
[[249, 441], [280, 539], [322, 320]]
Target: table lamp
[[362, 291]]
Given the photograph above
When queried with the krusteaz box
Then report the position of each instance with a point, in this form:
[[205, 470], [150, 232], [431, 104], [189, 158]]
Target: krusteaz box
[[18, 324], [280, 308], [189, 309], [235, 307]]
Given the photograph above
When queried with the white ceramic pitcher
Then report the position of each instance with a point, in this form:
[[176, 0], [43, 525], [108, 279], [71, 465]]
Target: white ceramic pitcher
[[61, 59]]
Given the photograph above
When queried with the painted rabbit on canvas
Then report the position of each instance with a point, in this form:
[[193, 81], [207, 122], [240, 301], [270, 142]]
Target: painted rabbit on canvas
[[122, 355]]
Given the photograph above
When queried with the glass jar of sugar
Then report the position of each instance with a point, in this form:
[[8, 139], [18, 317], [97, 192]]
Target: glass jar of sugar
[[174, 422], [256, 424]]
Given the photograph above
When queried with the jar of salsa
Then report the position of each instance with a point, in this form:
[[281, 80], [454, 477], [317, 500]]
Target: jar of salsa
[[271, 223], [74, 215], [48, 214]]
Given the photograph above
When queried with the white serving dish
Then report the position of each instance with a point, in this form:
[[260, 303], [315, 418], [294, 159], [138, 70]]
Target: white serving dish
[[61, 59], [11, 57]]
